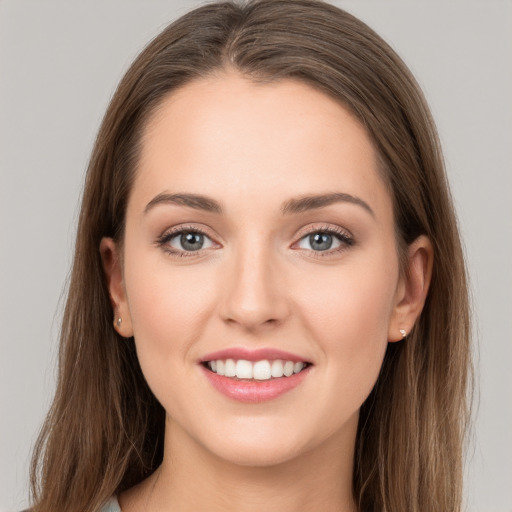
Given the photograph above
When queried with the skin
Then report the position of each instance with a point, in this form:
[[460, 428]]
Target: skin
[[258, 282]]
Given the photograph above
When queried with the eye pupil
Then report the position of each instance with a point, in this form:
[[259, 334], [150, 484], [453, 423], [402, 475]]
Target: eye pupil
[[320, 241], [192, 241]]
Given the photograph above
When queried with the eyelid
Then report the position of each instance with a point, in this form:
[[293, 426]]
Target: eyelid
[[170, 233], [343, 235], [324, 228]]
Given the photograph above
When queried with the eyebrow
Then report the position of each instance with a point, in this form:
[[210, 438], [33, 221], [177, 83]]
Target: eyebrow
[[313, 202], [296, 205], [198, 202]]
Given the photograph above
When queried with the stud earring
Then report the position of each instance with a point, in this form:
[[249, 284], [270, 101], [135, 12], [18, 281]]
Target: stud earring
[[119, 321], [403, 333]]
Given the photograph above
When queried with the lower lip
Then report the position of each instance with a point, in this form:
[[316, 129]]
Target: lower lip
[[254, 391]]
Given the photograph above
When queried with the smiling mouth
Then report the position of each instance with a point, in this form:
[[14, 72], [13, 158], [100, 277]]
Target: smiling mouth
[[262, 370]]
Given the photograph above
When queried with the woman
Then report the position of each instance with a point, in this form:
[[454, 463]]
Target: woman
[[268, 303]]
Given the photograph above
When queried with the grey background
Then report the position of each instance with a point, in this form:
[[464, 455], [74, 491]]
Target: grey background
[[59, 64]]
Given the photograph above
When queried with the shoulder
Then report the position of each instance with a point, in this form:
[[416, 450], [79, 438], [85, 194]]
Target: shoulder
[[112, 505]]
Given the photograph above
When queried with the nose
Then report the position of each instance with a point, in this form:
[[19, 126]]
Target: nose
[[254, 294]]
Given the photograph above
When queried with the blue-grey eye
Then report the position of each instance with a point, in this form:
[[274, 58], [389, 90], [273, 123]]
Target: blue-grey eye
[[320, 241], [190, 241]]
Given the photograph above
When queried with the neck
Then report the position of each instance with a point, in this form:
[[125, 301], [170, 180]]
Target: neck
[[193, 478]]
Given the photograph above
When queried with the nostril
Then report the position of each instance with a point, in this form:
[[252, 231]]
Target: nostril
[[252, 324]]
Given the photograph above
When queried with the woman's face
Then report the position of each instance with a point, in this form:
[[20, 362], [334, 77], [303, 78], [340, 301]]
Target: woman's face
[[258, 230]]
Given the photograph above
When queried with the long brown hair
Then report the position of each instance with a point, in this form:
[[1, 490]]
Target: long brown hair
[[105, 429]]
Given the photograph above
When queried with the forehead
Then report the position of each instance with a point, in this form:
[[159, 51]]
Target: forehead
[[229, 137]]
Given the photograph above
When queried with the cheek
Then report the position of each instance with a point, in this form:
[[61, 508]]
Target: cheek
[[169, 308], [348, 313], [352, 302]]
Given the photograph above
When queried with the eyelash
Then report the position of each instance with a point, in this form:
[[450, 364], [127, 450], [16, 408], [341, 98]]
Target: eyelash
[[345, 239], [164, 240]]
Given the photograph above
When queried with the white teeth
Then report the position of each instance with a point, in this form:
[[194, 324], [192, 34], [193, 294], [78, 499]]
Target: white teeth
[[258, 370], [261, 370], [229, 368], [288, 368], [277, 368], [244, 369]]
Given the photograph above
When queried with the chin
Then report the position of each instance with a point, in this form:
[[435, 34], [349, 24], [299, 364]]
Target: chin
[[261, 443], [258, 454]]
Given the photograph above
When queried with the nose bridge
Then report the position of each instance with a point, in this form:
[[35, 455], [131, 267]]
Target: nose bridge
[[254, 295]]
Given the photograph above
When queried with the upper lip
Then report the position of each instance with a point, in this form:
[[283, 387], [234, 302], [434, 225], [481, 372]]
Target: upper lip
[[253, 355]]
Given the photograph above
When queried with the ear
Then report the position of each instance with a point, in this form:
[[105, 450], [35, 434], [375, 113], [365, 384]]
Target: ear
[[112, 266], [412, 288]]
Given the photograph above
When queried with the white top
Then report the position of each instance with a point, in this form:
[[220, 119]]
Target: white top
[[112, 505]]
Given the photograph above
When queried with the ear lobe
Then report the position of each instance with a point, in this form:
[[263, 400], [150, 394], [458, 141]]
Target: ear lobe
[[413, 288], [112, 267]]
